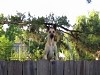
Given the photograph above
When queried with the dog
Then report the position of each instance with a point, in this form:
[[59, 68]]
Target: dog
[[50, 46]]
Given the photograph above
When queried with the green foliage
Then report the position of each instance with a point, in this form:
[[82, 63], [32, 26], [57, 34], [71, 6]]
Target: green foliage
[[2, 18], [5, 48], [1, 30], [15, 19], [21, 55], [88, 41], [63, 21], [24, 55], [13, 31], [37, 55], [87, 56], [91, 28]]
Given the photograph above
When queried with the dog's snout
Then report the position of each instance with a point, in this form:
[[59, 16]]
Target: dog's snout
[[51, 36]]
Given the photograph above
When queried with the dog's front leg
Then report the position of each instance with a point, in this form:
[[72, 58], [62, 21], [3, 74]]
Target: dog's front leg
[[45, 52], [55, 53]]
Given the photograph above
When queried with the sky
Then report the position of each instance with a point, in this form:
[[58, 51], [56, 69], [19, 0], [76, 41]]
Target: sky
[[70, 8]]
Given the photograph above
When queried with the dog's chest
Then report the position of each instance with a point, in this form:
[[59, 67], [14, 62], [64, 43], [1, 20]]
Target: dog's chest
[[52, 48], [52, 51]]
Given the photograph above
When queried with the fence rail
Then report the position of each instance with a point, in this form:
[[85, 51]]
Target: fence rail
[[44, 67]]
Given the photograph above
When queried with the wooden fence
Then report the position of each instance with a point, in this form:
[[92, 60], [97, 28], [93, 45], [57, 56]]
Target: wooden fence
[[44, 67]]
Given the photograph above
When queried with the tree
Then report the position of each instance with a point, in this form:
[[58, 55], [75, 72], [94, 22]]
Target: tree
[[88, 38]]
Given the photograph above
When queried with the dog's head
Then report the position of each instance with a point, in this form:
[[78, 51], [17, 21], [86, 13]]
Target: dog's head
[[51, 31]]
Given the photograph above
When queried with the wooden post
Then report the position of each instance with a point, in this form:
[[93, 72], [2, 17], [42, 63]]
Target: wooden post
[[3, 68], [43, 67], [14, 68], [57, 68], [29, 68], [70, 68]]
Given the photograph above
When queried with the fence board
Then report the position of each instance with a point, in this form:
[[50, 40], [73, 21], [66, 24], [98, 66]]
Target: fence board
[[82, 68], [86, 67], [57, 68], [70, 68], [78, 69], [96, 68], [3, 68], [29, 68], [67, 68], [43, 67], [91, 66], [14, 68]]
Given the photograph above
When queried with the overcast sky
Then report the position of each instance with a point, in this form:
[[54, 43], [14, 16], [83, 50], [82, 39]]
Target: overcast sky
[[70, 8]]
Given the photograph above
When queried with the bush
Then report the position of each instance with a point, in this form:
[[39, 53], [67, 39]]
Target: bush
[[21, 55], [5, 48]]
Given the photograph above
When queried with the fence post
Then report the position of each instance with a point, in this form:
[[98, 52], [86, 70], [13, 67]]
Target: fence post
[[91, 68], [3, 68], [97, 67], [29, 67], [81, 68], [70, 68], [57, 68], [14, 68], [43, 67]]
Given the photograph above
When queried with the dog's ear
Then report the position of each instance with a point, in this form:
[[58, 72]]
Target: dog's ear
[[47, 28], [54, 26]]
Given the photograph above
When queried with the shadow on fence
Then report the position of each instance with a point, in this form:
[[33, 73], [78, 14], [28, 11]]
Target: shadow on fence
[[44, 67]]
